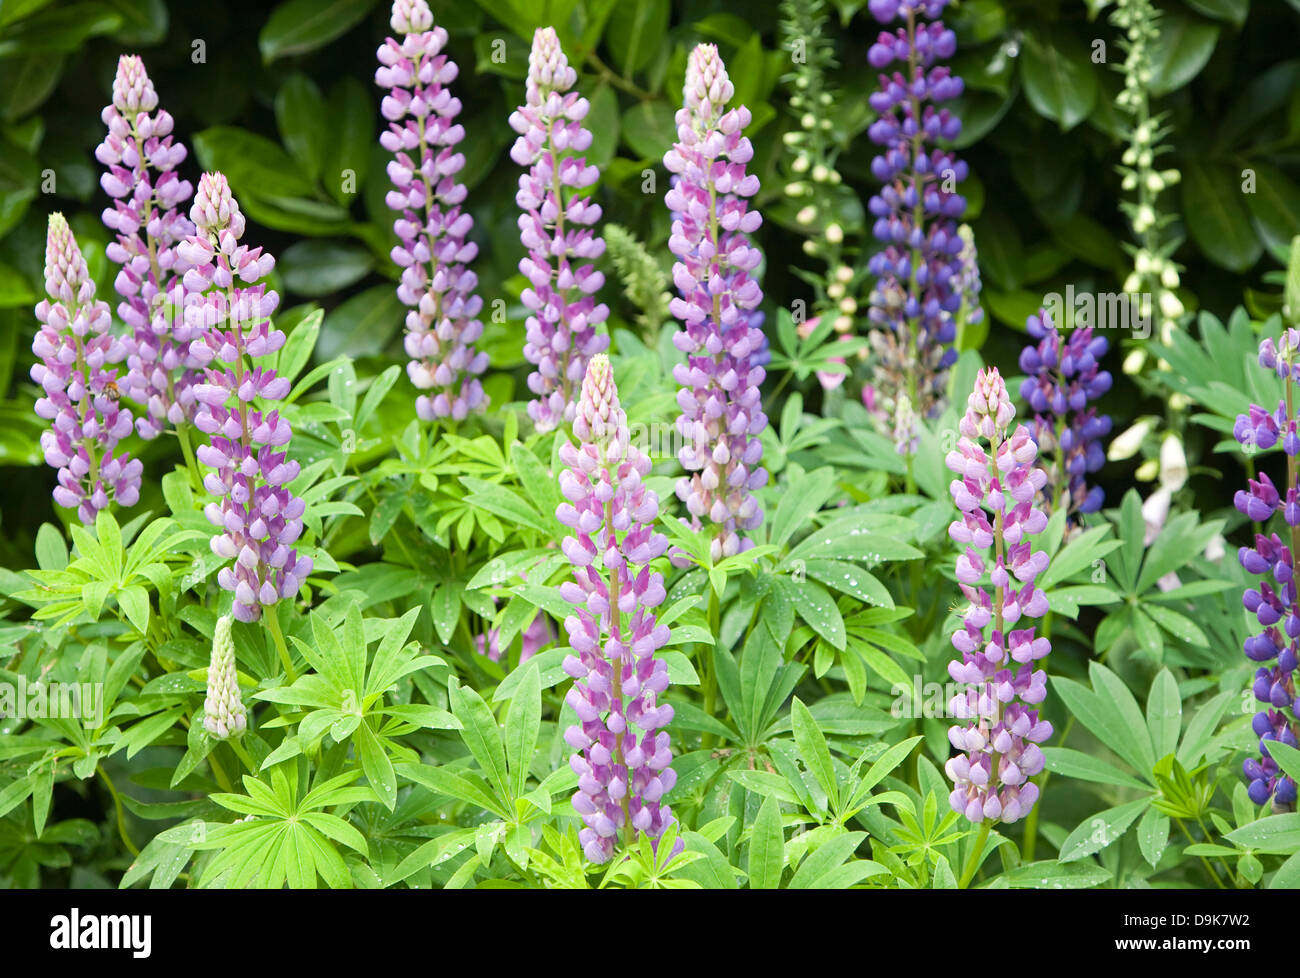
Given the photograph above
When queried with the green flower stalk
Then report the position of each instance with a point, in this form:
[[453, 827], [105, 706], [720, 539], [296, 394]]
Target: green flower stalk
[[1154, 276], [224, 715], [812, 183]]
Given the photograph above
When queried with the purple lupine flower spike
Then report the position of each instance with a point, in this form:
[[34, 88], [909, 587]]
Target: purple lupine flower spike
[[259, 518], [437, 283], [722, 409], [79, 395], [919, 271], [558, 234], [1274, 604], [1000, 744], [623, 749], [149, 220], [1061, 377]]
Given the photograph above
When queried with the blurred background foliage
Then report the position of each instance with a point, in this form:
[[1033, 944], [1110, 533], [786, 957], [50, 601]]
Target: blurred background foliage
[[281, 98]]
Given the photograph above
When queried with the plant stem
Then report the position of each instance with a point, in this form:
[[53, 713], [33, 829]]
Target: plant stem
[[972, 860], [191, 464], [710, 680], [117, 806], [273, 626]]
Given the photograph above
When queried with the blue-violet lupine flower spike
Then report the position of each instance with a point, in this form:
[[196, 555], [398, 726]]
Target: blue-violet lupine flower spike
[[1276, 648], [259, 518], [148, 219], [722, 410], [919, 271], [224, 714], [995, 493], [558, 233], [437, 283], [79, 392], [1062, 377], [623, 749]]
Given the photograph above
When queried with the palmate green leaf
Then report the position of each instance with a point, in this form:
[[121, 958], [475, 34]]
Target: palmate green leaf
[[1098, 831], [1111, 715], [445, 610], [813, 750], [1200, 730], [766, 784], [523, 722], [507, 504], [1153, 835], [453, 785], [1051, 875], [850, 579], [826, 868], [816, 606], [802, 498], [1164, 713], [882, 767], [1271, 834], [767, 847], [1287, 757], [1085, 767], [481, 735], [51, 550]]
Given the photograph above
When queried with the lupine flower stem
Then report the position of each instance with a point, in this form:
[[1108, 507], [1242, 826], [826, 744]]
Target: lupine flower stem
[[973, 859], [277, 636]]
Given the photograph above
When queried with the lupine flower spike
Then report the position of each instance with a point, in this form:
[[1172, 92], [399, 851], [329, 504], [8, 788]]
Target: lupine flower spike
[[79, 391], [1062, 376], [623, 749], [722, 410], [259, 518], [1274, 604], [148, 218], [437, 283], [999, 744], [920, 273], [556, 227], [224, 715]]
